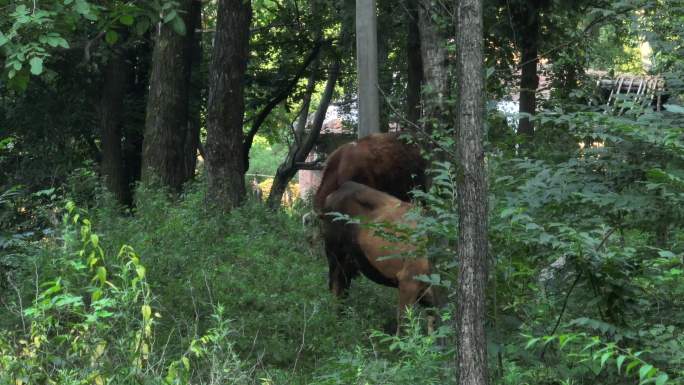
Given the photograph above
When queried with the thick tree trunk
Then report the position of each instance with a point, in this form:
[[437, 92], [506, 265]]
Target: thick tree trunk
[[367, 67], [194, 79], [303, 144], [166, 121], [111, 120], [415, 64], [434, 60], [529, 81], [472, 197], [226, 106]]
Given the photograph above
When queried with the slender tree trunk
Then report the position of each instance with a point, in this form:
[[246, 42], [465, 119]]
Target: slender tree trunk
[[367, 67], [287, 169], [194, 79], [111, 120], [434, 60], [226, 105], [166, 121], [303, 144], [472, 197], [415, 64], [529, 81]]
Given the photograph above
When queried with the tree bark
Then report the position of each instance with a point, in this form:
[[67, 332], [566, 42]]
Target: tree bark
[[194, 79], [472, 197], [140, 58], [367, 67], [226, 106], [415, 64], [111, 120], [303, 144], [529, 81], [166, 121], [434, 61]]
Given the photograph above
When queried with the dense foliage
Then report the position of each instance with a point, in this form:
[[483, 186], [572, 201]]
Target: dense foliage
[[586, 264]]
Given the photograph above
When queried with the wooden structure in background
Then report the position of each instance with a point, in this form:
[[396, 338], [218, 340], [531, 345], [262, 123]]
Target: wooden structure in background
[[629, 92]]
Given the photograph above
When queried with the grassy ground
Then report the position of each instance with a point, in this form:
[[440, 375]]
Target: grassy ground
[[263, 267]]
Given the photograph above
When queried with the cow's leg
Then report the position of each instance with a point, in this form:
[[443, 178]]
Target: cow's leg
[[429, 300], [408, 295], [341, 270]]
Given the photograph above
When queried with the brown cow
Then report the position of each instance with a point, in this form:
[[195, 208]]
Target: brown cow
[[351, 248], [381, 161]]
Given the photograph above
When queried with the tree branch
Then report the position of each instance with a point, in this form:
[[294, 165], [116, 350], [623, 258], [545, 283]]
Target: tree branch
[[279, 97]]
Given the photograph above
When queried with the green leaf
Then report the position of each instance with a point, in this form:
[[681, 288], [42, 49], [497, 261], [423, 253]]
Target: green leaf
[[146, 312], [97, 294], [111, 37], [57, 41], [36, 65], [531, 343], [170, 16], [142, 26], [644, 371], [3, 39], [507, 212], [101, 275], [127, 20], [666, 254], [178, 26], [605, 357], [140, 270], [82, 7], [674, 108], [631, 365], [620, 361], [661, 379]]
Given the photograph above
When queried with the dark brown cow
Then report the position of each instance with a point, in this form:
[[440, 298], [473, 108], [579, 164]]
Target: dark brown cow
[[351, 248], [381, 161]]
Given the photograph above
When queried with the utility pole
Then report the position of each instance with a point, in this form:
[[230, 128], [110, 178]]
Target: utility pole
[[367, 67]]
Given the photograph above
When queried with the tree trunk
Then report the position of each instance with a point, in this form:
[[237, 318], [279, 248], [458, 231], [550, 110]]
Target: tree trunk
[[529, 81], [301, 147], [226, 105], [193, 76], [111, 120], [140, 58], [434, 60], [472, 197], [367, 67], [415, 64], [166, 121], [194, 79]]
